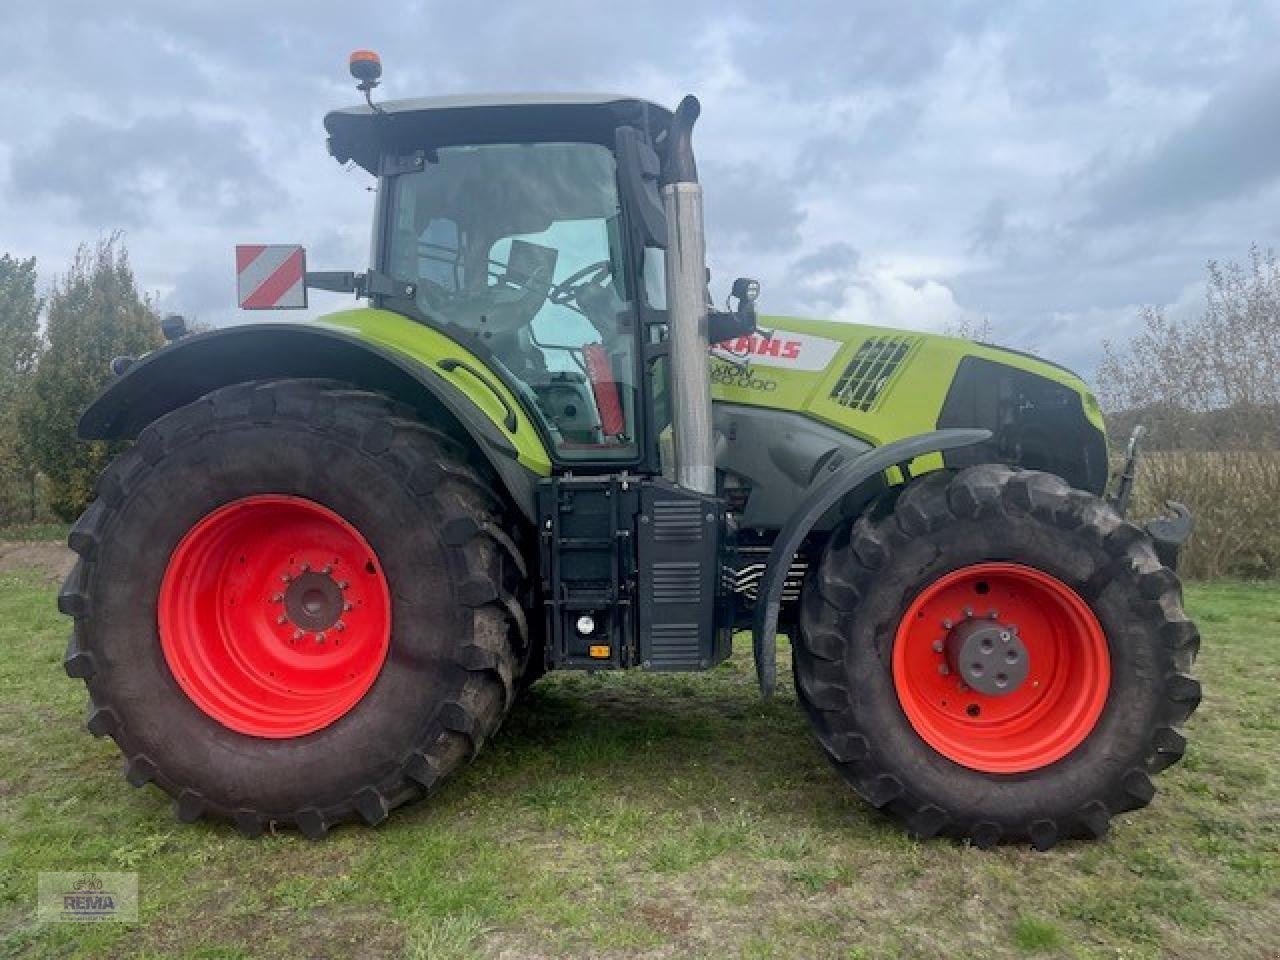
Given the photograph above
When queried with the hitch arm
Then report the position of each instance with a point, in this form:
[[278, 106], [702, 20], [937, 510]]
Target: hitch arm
[[371, 284]]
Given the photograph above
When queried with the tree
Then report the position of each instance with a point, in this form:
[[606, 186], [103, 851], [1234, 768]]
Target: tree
[[19, 348], [95, 314], [1211, 381]]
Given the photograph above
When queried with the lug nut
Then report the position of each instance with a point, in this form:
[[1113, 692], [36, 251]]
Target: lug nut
[[943, 669], [278, 598], [947, 624], [339, 626], [297, 634], [282, 619], [938, 646], [319, 638], [342, 584]]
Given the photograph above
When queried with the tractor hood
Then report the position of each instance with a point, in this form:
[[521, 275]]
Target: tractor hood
[[880, 384], [364, 135]]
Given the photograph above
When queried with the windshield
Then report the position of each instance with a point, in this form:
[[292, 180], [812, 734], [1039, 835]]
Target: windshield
[[520, 245]]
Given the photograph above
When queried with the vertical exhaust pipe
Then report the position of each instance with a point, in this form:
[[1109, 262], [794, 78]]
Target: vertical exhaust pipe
[[686, 276]]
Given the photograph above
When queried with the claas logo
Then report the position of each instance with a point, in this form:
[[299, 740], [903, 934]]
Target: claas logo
[[762, 347]]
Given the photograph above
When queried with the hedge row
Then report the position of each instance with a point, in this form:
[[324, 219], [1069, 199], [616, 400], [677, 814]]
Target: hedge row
[[1236, 501]]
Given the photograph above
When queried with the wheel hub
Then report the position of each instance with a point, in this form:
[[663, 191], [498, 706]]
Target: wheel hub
[[988, 655], [314, 601]]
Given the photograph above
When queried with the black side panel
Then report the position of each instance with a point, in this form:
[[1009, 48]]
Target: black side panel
[[588, 570], [1035, 423], [633, 573], [681, 579]]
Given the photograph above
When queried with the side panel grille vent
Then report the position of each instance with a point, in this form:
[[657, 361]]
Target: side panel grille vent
[[677, 582], [864, 382], [674, 645], [677, 521]]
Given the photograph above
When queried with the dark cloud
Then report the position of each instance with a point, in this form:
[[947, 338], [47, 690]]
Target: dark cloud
[[992, 226], [116, 175], [821, 278], [1230, 148], [849, 47], [749, 207]]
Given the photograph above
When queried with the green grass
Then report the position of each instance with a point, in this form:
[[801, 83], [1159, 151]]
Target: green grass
[[633, 815], [35, 531]]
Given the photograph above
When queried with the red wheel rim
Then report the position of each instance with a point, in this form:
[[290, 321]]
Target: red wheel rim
[[1048, 714], [274, 616]]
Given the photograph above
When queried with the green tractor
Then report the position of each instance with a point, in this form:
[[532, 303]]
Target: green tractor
[[338, 551]]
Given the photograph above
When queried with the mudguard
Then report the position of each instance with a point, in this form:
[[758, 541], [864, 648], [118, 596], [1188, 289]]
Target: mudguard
[[188, 369], [825, 493]]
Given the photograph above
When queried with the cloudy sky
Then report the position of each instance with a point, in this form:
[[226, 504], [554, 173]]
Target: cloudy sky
[[1044, 168]]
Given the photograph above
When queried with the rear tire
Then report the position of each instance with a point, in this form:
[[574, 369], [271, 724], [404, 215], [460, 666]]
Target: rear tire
[[1057, 546], [453, 638]]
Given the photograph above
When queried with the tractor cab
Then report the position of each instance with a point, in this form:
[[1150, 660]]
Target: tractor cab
[[519, 226]]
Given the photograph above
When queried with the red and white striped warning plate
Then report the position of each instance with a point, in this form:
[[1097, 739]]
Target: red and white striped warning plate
[[271, 276]]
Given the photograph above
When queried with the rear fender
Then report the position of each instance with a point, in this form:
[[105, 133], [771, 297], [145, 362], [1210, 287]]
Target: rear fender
[[192, 367], [840, 480]]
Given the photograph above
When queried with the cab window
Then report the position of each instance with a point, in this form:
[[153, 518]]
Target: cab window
[[519, 244]]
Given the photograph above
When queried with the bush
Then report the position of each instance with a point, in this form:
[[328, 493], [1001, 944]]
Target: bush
[[1235, 498], [95, 313], [1209, 381], [19, 348]]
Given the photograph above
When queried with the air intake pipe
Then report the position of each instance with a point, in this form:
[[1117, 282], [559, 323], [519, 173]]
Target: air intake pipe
[[686, 276]]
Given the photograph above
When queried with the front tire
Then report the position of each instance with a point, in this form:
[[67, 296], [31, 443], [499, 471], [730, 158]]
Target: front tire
[[295, 604], [998, 563]]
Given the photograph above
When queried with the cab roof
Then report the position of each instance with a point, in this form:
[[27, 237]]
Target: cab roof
[[399, 126]]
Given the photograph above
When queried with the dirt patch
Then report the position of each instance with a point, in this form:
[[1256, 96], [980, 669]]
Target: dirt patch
[[663, 917], [53, 561]]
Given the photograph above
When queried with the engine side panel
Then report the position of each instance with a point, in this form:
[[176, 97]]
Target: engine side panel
[[878, 385]]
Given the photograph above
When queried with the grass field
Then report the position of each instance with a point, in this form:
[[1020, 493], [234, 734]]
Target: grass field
[[648, 816], [44, 532]]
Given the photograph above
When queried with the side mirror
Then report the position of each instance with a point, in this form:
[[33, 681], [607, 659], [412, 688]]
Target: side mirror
[[745, 291], [638, 170], [728, 324]]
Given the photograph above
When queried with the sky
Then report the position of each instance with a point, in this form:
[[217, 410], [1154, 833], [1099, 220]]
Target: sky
[[1035, 170]]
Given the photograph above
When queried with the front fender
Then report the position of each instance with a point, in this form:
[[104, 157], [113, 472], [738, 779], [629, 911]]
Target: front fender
[[821, 497], [192, 367]]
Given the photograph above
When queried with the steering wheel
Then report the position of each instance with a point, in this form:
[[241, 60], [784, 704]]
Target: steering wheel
[[581, 284]]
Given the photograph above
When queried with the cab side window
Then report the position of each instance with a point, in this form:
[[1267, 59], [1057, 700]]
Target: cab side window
[[520, 246]]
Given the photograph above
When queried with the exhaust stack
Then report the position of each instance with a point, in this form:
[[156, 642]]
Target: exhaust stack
[[686, 277]]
